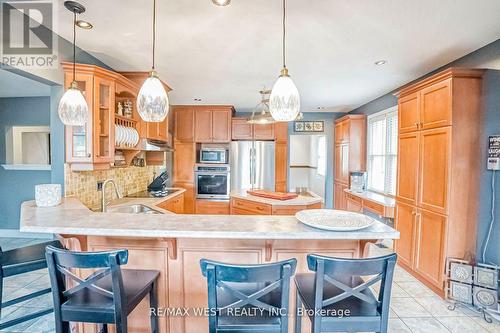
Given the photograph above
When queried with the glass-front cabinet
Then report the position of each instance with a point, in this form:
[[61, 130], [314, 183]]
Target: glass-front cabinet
[[92, 146]]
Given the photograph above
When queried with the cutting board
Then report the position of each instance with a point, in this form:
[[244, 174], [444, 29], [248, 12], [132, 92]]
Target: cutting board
[[273, 195]]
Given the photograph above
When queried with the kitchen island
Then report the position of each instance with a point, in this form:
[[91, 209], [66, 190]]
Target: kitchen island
[[174, 244]]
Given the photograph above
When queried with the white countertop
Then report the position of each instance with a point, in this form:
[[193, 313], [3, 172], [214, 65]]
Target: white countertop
[[375, 197], [73, 218], [301, 200]]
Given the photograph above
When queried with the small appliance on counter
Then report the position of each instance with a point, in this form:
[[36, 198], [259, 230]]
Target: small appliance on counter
[[358, 181]]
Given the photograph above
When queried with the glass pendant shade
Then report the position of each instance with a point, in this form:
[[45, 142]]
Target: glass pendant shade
[[152, 102], [73, 109], [284, 102]]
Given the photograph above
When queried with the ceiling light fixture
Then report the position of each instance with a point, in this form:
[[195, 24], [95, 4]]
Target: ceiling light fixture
[[221, 2], [285, 100], [380, 62], [152, 101], [84, 24], [261, 114], [73, 109]]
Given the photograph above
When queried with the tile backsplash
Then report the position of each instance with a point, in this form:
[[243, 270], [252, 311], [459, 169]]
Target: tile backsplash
[[83, 184]]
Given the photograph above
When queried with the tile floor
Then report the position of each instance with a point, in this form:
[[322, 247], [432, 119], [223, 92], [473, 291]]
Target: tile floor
[[414, 307]]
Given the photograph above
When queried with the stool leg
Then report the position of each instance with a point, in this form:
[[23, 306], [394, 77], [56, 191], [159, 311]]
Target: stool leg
[[298, 318], [1, 287], [153, 303]]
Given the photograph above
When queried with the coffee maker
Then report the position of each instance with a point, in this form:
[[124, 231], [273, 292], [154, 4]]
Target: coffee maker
[[358, 181]]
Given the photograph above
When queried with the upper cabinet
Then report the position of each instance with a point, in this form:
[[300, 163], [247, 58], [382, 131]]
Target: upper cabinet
[[212, 124], [184, 123], [242, 130]]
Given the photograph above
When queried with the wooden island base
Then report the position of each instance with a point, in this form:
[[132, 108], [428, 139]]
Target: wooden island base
[[181, 284]]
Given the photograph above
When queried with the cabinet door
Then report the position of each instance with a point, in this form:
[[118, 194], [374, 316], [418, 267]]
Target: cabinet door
[[281, 132], [353, 206], [408, 113], [241, 130], [405, 224], [338, 132], [163, 130], [79, 143], [429, 253], [184, 160], [152, 130], [104, 120], [184, 124], [203, 126], [435, 107], [342, 163], [221, 125], [339, 196], [263, 132], [434, 169], [281, 167], [408, 157], [187, 197], [346, 130]]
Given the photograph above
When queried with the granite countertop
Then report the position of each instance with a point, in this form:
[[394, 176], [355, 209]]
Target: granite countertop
[[302, 200], [148, 202], [73, 218], [375, 197]]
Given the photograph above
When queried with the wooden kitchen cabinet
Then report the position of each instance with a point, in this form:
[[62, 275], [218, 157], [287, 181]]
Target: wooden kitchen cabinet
[[212, 207], [254, 207], [408, 166], [438, 172], [281, 167], [281, 132], [242, 130], [213, 124], [342, 163], [175, 204], [184, 160], [339, 196], [184, 124], [353, 203], [158, 130]]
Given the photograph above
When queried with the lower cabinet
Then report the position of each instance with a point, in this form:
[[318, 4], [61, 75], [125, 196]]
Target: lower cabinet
[[353, 203], [249, 207], [175, 204], [212, 207], [339, 196], [421, 246]]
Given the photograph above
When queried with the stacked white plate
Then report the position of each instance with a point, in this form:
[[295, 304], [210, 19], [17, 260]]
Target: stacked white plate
[[126, 136]]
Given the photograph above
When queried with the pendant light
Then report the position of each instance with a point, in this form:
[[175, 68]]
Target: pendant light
[[285, 100], [152, 102], [261, 114], [73, 109]]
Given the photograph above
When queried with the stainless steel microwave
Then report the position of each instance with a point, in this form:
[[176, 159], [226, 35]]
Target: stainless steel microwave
[[213, 155]]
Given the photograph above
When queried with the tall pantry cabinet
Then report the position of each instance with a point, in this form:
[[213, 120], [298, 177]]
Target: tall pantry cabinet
[[438, 172]]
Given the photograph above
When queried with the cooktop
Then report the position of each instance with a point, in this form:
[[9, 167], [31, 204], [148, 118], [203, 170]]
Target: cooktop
[[152, 194]]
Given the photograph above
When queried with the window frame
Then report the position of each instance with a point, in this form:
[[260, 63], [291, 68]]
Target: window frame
[[388, 156]]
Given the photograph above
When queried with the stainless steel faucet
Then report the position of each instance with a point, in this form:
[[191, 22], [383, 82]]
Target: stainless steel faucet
[[103, 189]]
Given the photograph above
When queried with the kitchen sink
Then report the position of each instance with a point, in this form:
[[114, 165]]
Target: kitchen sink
[[133, 209]]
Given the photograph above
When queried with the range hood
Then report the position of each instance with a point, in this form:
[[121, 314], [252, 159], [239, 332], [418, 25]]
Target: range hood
[[153, 145]]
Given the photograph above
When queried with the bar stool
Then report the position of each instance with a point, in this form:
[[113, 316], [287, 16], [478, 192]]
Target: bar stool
[[106, 296], [343, 284], [248, 298], [20, 261]]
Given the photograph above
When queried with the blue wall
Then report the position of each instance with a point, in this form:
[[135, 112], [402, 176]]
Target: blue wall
[[485, 57], [18, 186]]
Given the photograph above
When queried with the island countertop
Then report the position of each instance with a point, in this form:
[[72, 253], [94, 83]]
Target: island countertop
[[73, 218], [302, 200]]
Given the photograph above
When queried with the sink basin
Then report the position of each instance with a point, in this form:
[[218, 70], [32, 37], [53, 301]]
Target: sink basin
[[133, 209]]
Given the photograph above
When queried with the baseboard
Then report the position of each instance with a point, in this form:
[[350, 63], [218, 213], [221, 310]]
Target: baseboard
[[14, 233]]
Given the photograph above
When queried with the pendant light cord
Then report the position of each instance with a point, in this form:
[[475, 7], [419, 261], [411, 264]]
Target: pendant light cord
[[154, 32], [74, 45], [284, 33]]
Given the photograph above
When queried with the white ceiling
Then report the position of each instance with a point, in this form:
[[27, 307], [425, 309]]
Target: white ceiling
[[14, 85], [224, 55]]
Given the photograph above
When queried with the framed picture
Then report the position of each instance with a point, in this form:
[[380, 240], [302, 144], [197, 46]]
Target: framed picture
[[461, 292], [309, 126]]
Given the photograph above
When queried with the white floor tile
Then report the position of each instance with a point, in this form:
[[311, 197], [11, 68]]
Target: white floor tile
[[462, 325], [408, 307], [416, 289], [425, 325], [493, 327], [439, 307], [396, 325]]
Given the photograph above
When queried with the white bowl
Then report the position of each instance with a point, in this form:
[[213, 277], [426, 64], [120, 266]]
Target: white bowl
[[334, 220]]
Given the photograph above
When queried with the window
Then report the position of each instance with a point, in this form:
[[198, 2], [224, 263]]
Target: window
[[382, 151], [322, 155]]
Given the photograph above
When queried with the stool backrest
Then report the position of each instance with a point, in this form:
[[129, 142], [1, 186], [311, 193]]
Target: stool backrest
[[227, 282], [350, 276], [65, 283]]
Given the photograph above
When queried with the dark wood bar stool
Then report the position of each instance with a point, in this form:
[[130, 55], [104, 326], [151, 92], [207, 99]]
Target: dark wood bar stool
[[343, 284], [20, 261], [106, 296], [260, 293]]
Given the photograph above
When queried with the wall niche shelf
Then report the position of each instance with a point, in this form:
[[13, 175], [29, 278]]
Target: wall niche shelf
[[27, 167]]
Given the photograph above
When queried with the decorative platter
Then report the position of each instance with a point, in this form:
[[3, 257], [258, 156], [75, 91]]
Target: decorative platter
[[334, 220]]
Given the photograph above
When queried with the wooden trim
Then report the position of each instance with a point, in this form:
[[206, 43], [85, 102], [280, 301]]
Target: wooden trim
[[454, 72], [350, 116], [172, 247]]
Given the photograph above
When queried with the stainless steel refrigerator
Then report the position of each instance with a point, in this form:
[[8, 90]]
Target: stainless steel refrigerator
[[252, 165]]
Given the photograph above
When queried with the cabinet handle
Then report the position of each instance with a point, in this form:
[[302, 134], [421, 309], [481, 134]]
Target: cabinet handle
[[89, 155], [259, 208]]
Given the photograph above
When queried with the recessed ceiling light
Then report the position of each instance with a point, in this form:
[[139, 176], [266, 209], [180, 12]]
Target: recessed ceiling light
[[380, 62], [197, 99], [320, 108], [221, 2], [84, 24]]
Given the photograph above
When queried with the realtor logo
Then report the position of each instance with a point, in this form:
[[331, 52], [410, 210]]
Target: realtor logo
[[27, 35]]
